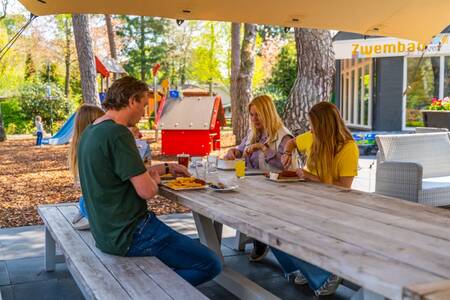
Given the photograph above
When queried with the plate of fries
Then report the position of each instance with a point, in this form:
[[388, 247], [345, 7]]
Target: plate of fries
[[185, 183]]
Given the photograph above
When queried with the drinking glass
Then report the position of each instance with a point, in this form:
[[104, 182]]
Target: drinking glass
[[201, 168], [212, 163], [240, 168]]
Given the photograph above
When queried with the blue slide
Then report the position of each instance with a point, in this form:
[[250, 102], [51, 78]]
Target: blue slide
[[63, 135]]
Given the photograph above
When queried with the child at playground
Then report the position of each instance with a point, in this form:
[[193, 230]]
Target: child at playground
[[142, 145], [85, 116], [39, 130]]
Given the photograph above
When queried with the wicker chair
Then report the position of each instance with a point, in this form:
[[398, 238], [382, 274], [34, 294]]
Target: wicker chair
[[415, 167], [430, 129]]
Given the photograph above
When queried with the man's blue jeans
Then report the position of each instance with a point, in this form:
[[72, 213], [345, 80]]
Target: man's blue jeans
[[191, 260], [316, 276]]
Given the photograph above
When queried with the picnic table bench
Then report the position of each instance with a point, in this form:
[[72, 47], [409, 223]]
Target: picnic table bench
[[103, 276], [389, 247]]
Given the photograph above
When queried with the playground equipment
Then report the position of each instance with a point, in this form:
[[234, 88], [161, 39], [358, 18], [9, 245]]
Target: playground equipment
[[63, 135], [105, 67], [191, 125]]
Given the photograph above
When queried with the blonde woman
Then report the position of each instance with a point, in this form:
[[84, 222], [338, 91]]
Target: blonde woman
[[263, 147], [85, 116], [332, 158]]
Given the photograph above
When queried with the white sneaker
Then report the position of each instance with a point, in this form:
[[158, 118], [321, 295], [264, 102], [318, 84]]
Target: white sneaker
[[76, 218], [300, 279], [82, 224]]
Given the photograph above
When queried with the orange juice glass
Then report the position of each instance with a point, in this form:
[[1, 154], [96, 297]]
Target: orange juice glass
[[240, 168]]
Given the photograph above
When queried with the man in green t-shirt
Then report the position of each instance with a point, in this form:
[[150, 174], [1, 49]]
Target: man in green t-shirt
[[116, 184]]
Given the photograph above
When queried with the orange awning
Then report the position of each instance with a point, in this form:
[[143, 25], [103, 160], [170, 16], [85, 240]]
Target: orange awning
[[416, 20]]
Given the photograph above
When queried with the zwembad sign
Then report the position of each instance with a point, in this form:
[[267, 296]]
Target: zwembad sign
[[388, 47]]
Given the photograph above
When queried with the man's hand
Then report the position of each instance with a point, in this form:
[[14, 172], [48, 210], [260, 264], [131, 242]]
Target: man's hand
[[232, 154], [179, 170]]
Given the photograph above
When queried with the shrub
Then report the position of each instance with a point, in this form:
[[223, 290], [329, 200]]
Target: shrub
[[34, 101]]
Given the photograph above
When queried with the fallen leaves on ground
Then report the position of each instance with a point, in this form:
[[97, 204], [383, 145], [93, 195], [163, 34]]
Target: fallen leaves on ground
[[31, 175]]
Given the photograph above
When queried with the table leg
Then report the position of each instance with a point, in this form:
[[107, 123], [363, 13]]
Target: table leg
[[50, 251], [240, 240], [234, 282]]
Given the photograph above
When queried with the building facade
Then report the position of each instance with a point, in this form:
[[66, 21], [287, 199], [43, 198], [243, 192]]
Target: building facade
[[382, 84]]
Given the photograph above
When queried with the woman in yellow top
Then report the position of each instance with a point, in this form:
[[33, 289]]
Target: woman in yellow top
[[332, 158]]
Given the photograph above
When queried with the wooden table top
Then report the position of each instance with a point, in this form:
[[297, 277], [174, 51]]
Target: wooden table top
[[380, 243]]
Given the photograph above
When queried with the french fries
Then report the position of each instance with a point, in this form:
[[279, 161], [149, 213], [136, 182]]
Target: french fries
[[185, 183]]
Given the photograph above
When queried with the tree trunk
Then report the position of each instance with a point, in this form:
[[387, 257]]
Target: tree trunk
[[235, 62], [67, 56], [244, 82], [111, 40], [2, 127], [142, 47], [86, 58], [315, 71]]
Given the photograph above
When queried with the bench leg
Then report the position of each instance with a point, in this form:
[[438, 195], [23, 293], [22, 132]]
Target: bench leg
[[50, 251], [365, 294], [240, 240]]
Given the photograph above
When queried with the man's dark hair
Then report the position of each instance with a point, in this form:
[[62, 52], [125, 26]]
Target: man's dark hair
[[120, 92]]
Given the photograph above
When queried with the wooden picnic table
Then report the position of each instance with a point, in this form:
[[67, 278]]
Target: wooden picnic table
[[391, 248]]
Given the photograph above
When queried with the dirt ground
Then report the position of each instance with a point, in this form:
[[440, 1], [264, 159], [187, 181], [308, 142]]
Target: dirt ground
[[31, 175]]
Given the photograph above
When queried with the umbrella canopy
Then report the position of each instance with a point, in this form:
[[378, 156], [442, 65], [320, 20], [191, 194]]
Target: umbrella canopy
[[416, 20]]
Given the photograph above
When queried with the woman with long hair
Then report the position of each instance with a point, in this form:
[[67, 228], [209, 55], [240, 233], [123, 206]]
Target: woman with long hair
[[262, 148], [331, 158], [85, 116]]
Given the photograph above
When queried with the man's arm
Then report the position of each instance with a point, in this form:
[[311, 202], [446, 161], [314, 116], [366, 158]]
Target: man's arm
[[145, 185]]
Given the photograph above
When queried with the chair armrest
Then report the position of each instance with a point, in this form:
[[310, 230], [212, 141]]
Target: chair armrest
[[399, 179]]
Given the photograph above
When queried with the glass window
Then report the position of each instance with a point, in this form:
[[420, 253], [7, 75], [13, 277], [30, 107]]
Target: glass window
[[447, 77], [422, 86], [356, 100]]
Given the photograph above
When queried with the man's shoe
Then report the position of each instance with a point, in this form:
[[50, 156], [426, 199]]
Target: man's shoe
[[82, 224], [259, 251], [329, 287]]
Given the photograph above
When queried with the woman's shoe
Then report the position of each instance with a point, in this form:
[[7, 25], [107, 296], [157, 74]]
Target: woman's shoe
[[329, 287], [259, 251], [300, 279]]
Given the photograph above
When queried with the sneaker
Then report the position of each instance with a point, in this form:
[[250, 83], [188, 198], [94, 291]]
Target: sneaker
[[76, 218], [329, 287], [82, 224], [300, 279], [259, 251]]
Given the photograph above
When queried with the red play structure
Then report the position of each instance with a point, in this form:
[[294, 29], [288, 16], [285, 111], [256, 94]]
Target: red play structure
[[191, 125]]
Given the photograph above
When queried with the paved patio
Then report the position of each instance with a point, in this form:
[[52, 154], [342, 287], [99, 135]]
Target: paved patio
[[22, 275]]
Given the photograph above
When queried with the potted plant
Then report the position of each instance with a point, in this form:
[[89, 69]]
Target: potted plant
[[438, 113]]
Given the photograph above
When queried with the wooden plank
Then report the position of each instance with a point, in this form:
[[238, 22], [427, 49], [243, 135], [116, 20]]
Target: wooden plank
[[431, 291], [92, 277], [387, 205], [390, 241], [368, 269], [168, 280], [142, 277]]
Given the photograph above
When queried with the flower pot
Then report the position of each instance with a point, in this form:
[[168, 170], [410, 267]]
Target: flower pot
[[436, 118]]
